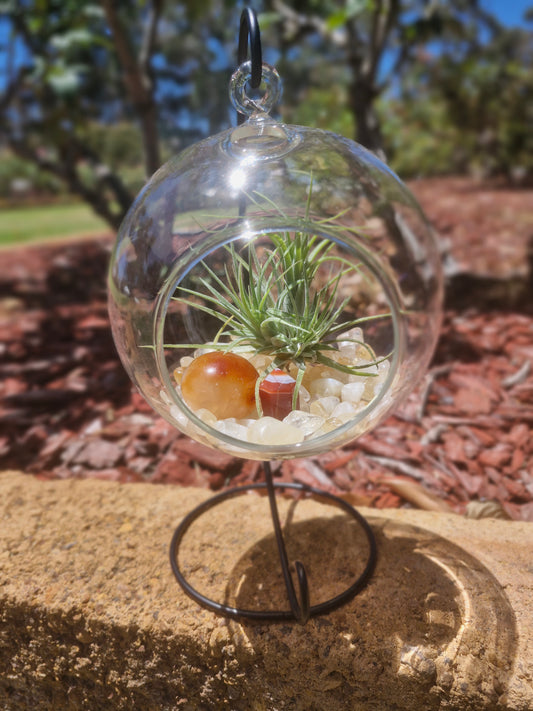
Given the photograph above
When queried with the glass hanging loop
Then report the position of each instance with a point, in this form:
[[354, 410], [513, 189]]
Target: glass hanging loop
[[270, 87]]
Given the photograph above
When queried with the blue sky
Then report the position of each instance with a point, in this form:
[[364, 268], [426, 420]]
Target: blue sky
[[509, 12]]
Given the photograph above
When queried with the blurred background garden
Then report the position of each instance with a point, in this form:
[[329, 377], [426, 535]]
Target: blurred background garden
[[94, 96]]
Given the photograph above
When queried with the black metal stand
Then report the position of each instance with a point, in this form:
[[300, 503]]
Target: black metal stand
[[300, 608]]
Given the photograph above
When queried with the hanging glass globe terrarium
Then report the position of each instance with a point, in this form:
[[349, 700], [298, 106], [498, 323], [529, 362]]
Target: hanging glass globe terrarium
[[274, 292]]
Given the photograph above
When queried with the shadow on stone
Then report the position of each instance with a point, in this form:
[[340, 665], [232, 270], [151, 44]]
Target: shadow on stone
[[432, 627]]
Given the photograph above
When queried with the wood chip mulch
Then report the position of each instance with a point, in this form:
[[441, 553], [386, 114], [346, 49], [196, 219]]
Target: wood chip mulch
[[462, 440]]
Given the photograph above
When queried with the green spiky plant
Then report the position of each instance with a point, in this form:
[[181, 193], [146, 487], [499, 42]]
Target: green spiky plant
[[272, 306]]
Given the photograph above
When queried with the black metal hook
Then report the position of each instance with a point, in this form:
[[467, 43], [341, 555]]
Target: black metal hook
[[249, 30]]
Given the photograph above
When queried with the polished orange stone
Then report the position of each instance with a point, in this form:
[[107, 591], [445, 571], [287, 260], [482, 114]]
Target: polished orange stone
[[223, 383], [276, 393]]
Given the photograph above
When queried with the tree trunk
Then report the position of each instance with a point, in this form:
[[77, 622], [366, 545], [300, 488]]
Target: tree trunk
[[364, 56], [137, 78], [368, 130], [110, 199]]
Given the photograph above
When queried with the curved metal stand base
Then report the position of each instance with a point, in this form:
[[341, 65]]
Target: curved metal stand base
[[300, 610]]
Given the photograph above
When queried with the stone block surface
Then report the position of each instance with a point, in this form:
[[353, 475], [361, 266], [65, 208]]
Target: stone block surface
[[92, 618]]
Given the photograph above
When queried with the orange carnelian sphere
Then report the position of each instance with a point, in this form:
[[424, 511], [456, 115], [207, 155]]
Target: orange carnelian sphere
[[223, 383]]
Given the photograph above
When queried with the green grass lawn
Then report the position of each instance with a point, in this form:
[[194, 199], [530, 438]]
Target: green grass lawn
[[27, 224]]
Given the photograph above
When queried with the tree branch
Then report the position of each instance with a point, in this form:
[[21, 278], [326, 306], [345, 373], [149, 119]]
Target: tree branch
[[12, 89], [296, 25], [150, 36], [65, 169], [137, 78], [32, 39], [384, 18]]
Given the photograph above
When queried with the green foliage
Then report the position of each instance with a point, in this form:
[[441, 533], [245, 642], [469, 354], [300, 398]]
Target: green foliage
[[70, 52], [466, 111], [13, 169], [120, 148], [491, 97], [322, 107], [120, 143], [358, 35], [419, 139], [64, 79]]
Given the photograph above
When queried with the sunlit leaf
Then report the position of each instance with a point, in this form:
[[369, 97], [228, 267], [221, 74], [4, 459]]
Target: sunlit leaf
[[338, 19], [72, 38], [65, 80], [356, 7]]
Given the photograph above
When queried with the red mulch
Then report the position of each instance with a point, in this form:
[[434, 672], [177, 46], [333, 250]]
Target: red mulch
[[67, 409]]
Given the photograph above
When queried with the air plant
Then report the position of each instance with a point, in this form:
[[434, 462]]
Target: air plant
[[273, 305]]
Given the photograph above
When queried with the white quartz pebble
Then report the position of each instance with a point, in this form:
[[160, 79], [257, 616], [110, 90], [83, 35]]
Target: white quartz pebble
[[353, 392], [268, 430], [179, 416], [206, 416], [324, 387], [246, 422], [378, 386], [304, 421], [231, 428], [329, 425], [384, 367], [324, 406], [374, 387], [345, 411], [354, 334], [303, 394], [370, 386], [165, 398], [366, 366]]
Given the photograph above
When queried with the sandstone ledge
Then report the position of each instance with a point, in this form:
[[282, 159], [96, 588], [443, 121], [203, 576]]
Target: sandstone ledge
[[91, 617]]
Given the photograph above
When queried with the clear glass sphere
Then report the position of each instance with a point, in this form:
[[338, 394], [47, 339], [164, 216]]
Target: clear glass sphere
[[275, 290]]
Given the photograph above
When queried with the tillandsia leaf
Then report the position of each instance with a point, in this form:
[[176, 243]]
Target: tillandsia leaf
[[333, 218], [271, 306], [357, 322], [309, 195], [205, 309], [299, 377], [349, 369], [266, 199]]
